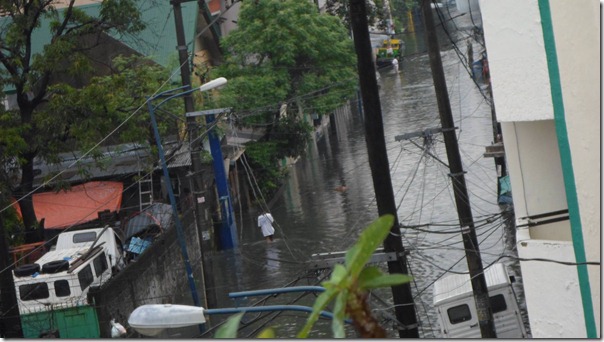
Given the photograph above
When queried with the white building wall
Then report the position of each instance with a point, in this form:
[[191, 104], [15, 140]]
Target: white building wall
[[577, 35], [534, 168], [517, 62], [522, 94], [554, 305]]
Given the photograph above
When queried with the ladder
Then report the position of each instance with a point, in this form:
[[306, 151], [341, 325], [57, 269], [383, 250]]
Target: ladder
[[145, 190]]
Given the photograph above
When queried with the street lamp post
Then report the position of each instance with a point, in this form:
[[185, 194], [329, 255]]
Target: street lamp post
[[169, 95], [228, 231]]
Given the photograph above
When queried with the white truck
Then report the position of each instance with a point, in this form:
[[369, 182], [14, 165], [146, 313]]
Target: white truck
[[456, 308], [52, 292]]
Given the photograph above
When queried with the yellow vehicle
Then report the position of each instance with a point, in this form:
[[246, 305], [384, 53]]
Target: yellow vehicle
[[390, 49]]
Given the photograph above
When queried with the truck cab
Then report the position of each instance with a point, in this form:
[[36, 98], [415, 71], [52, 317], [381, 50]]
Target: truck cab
[[106, 237], [52, 291]]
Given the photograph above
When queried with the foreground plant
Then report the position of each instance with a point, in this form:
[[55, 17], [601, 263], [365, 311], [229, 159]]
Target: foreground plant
[[348, 288], [350, 283]]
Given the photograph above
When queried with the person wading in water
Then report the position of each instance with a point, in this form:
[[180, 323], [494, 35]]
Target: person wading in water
[[265, 222]]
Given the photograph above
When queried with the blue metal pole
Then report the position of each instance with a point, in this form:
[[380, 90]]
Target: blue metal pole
[[179, 231], [225, 311], [228, 231], [275, 291]]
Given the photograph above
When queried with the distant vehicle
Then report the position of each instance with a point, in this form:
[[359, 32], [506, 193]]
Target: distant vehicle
[[52, 291], [456, 309], [391, 49]]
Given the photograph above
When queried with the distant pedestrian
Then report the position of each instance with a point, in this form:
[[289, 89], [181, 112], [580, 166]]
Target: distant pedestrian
[[265, 222]]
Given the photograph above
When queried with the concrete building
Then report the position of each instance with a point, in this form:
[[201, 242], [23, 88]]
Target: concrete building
[[544, 58]]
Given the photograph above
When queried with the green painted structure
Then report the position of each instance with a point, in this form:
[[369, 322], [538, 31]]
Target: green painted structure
[[74, 322]]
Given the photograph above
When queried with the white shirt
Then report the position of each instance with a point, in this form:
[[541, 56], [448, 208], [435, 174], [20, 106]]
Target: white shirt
[[265, 223]]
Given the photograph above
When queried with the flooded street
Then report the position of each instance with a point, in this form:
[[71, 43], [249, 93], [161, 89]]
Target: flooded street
[[329, 198]]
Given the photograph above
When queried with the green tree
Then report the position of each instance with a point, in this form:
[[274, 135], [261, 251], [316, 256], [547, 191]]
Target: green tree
[[401, 10], [376, 12], [73, 33], [286, 57]]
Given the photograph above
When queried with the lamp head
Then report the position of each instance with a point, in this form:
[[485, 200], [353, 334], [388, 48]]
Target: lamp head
[[152, 319], [219, 82]]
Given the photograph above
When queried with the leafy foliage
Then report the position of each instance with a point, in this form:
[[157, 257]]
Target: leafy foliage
[[376, 11], [285, 51], [347, 289], [349, 283], [229, 329], [284, 54], [262, 158], [401, 10], [70, 33], [78, 118]]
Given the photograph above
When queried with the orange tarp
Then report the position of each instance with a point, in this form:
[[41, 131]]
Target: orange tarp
[[78, 205]]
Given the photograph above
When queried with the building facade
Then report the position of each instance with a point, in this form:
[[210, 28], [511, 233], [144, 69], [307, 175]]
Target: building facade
[[545, 73]]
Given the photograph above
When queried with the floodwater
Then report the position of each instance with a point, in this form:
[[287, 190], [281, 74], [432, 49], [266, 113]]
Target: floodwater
[[315, 214]]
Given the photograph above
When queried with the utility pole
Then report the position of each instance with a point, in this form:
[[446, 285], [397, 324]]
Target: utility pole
[[380, 168], [195, 147], [470, 241]]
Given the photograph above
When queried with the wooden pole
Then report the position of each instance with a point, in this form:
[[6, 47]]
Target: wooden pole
[[464, 211], [380, 168]]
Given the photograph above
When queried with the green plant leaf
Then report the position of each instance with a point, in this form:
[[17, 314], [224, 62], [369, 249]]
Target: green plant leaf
[[339, 313], [320, 304], [337, 276], [229, 329], [267, 333], [370, 239], [372, 278]]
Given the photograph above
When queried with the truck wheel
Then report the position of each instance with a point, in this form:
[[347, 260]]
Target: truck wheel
[[55, 266], [27, 270]]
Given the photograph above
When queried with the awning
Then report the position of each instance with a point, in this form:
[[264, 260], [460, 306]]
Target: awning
[[78, 205]]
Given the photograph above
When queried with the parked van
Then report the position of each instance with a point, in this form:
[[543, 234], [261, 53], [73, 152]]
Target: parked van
[[456, 308]]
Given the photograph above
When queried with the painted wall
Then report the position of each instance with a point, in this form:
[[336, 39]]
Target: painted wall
[[577, 36], [535, 174], [520, 74], [518, 67], [553, 300]]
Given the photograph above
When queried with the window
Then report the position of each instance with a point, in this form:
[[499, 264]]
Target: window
[[460, 313], [100, 264], [498, 303], [85, 277], [62, 288], [33, 291], [84, 237]]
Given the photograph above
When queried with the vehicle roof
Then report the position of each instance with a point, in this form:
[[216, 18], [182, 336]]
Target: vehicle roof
[[70, 254], [458, 286]]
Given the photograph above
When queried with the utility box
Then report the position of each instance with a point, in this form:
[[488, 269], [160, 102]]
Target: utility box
[[456, 309]]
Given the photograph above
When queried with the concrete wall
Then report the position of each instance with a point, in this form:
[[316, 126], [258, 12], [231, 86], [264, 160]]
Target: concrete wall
[[158, 276], [577, 31], [553, 300], [517, 62], [539, 128], [535, 174]]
